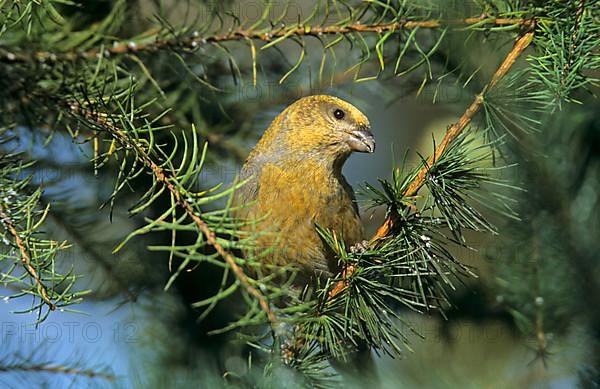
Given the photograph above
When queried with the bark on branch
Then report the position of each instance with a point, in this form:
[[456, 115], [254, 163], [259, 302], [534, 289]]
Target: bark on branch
[[195, 41], [26, 258], [451, 134], [168, 180]]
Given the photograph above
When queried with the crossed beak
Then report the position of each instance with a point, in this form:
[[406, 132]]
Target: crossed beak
[[361, 140]]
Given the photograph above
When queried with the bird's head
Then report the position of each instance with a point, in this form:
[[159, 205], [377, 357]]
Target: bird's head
[[321, 126]]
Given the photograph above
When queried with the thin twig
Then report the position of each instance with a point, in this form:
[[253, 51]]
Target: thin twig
[[26, 258], [58, 369], [168, 181], [193, 42], [451, 134], [456, 129], [573, 46]]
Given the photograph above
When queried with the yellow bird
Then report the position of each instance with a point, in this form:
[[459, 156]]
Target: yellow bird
[[296, 182]]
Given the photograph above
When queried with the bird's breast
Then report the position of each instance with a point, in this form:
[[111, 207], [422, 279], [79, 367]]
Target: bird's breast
[[294, 200]]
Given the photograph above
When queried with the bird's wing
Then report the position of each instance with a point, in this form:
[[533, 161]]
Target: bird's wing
[[251, 171], [248, 191]]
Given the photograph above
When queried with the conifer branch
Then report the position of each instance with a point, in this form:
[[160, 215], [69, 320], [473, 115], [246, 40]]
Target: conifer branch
[[167, 180], [573, 46], [26, 258], [455, 130], [451, 134], [193, 42], [58, 369]]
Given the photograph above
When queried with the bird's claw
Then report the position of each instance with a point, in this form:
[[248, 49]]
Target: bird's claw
[[360, 247]]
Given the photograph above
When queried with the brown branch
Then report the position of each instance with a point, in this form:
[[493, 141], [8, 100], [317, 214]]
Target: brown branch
[[58, 369], [195, 41], [451, 134], [455, 130], [573, 46], [26, 258], [167, 180]]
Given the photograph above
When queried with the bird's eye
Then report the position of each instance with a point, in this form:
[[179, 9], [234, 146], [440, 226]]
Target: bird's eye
[[339, 114]]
